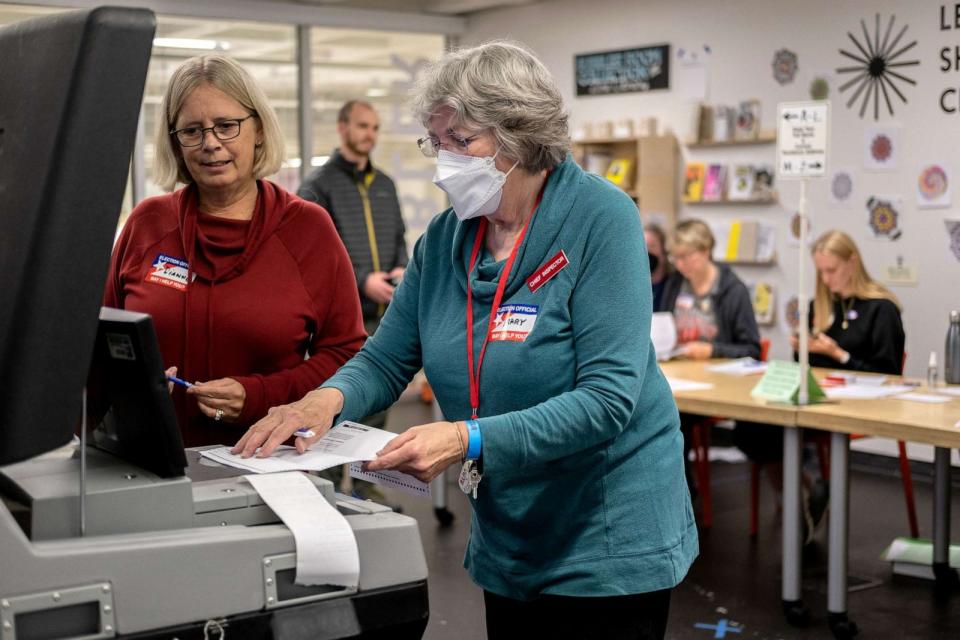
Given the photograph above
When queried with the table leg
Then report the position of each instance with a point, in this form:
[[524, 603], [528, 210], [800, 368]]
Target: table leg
[[838, 537], [795, 611], [945, 576], [438, 487]]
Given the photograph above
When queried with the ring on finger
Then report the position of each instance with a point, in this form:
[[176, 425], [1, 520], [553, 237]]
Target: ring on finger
[[218, 415]]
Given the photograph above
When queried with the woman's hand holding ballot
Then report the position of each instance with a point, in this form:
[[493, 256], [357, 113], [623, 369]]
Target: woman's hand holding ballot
[[423, 451]]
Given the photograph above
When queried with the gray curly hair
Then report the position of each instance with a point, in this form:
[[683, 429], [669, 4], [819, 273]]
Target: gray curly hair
[[500, 87]]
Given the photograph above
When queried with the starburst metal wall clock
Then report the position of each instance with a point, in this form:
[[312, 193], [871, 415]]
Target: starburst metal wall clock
[[879, 68]]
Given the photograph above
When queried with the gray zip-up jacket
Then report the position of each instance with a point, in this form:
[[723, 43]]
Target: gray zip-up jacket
[[350, 196], [737, 332]]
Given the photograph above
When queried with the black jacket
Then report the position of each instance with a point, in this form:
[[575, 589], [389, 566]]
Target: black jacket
[[737, 333], [337, 187]]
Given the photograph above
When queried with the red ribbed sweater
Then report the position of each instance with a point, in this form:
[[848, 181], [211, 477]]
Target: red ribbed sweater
[[239, 299]]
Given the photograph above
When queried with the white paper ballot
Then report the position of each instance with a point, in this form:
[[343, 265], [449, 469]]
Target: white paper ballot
[[393, 479], [663, 334], [678, 384], [950, 391], [342, 444], [326, 547]]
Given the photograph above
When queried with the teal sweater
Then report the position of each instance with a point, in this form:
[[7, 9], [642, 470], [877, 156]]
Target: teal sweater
[[583, 492]]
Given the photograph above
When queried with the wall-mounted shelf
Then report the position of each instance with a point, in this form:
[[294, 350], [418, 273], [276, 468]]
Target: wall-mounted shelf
[[652, 178], [765, 137]]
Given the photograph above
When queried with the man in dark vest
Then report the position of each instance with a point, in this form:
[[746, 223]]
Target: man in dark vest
[[363, 203]]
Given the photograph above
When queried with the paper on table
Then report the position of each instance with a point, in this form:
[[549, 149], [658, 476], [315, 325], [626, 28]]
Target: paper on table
[[739, 367], [663, 334], [344, 443], [326, 547], [950, 391], [678, 384], [923, 397], [867, 391]]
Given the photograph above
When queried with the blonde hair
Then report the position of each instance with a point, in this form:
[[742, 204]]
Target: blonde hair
[[839, 244], [694, 234], [225, 74]]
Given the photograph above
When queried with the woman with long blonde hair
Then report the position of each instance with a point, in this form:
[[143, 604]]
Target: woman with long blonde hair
[[854, 324], [855, 321]]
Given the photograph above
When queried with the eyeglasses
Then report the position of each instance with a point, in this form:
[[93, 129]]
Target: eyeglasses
[[430, 145], [223, 130], [675, 257]]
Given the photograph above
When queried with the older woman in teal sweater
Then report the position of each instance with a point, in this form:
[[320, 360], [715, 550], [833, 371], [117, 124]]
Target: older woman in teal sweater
[[528, 304]]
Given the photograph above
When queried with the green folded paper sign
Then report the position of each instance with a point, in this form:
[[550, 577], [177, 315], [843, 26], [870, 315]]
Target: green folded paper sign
[[781, 383]]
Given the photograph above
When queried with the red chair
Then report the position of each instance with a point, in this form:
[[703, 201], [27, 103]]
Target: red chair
[[822, 441], [700, 444]]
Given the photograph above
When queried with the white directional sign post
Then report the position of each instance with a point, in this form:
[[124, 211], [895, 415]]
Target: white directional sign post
[[802, 138], [802, 135]]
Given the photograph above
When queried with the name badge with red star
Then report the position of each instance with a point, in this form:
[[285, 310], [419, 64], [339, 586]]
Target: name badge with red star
[[168, 271], [514, 322]]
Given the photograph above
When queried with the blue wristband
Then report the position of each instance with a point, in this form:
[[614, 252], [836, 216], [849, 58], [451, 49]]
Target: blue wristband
[[475, 443]]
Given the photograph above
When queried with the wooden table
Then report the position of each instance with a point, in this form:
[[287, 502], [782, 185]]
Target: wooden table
[[887, 417], [897, 419]]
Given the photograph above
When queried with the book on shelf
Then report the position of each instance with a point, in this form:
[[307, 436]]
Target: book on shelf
[[713, 183], [722, 123], [704, 124], [766, 244], [744, 241], [620, 172], [763, 182], [596, 162], [693, 178], [747, 122], [764, 302], [741, 182]]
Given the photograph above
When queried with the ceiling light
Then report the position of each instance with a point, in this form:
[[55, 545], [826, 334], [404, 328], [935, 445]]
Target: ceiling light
[[191, 43], [376, 92]]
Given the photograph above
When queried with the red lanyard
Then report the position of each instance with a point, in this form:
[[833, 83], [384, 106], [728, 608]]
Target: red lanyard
[[497, 298]]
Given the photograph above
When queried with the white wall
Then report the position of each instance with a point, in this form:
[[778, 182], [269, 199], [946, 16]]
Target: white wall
[[743, 36]]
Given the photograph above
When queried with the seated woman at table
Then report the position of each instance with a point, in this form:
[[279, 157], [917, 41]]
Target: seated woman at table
[[854, 321], [711, 308], [854, 324], [710, 304]]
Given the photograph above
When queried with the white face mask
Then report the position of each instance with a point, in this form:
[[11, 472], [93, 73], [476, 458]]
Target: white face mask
[[473, 183]]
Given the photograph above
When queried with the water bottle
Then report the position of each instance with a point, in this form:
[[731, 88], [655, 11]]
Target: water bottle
[[932, 370], [951, 372]]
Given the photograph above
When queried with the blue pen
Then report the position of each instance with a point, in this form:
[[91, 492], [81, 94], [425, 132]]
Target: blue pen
[[180, 381], [304, 433]]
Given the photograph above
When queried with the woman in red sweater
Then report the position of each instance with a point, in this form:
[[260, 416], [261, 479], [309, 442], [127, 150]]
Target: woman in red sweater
[[244, 280]]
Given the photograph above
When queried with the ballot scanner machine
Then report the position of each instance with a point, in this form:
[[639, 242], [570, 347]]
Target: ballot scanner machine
[[133, 538]]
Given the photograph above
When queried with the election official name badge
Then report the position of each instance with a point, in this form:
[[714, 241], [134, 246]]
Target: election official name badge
[[514, 322], [168, 271]]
